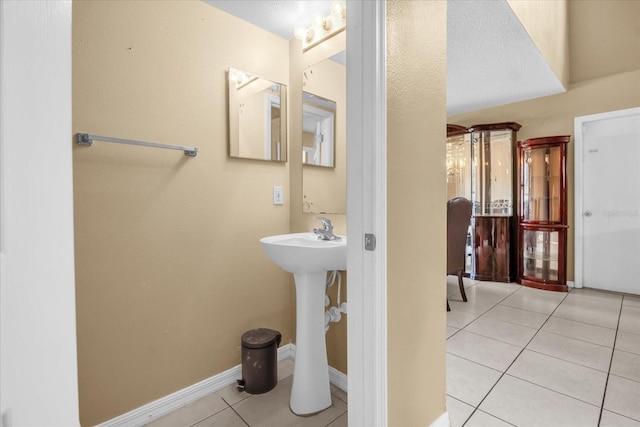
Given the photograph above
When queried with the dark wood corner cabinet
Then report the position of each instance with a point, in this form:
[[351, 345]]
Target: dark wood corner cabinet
[[493, 184], [542, 213]]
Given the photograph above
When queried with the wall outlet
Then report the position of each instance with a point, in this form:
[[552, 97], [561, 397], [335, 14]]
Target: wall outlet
[[278, 197]]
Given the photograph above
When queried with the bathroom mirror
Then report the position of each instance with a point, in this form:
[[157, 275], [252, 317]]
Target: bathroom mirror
[[257, 110], [318, 130], [324, 145]]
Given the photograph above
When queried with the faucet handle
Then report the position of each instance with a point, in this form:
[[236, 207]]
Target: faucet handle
[[326, 223]]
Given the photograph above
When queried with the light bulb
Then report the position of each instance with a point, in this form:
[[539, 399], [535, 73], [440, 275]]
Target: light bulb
[[338, 10], [318, 20], [310, 34], [300, 32]]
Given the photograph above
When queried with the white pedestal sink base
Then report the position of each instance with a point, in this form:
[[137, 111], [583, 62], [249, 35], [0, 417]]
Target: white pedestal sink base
[[310, 392]]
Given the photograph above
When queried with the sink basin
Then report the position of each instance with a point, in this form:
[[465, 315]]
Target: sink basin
[[303, 253], [308, 259]]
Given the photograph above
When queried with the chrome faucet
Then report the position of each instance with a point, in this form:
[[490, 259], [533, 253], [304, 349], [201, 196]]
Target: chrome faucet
[[326, 232]]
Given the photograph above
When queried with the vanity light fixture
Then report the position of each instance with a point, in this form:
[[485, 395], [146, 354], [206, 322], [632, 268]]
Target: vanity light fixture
[[323, 27]]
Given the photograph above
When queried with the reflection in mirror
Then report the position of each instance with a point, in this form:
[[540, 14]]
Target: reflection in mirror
[[324, 189], [318, 130], [257, 117]]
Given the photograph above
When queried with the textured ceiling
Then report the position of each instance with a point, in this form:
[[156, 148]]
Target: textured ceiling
[[490, 58]]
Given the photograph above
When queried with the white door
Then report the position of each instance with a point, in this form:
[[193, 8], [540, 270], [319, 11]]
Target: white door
[[608, 200]]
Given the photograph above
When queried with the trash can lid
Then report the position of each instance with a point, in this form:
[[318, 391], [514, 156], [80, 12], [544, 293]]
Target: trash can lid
[[260, 338]]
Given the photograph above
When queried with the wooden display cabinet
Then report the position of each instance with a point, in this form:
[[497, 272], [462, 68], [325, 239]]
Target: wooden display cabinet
[[493, 193], [542, 228]]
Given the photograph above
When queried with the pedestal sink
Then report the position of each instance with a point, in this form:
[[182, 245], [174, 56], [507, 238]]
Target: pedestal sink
[[309, 259]]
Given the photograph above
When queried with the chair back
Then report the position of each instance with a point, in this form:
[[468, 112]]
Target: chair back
[[458, 218]]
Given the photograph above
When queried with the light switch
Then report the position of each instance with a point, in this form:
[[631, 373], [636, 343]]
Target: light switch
[[277, 195]]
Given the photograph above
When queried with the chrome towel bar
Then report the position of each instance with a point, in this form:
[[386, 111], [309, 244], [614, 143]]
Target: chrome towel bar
[[87, 139]]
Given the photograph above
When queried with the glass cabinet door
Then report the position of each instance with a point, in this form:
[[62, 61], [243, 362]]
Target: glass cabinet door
[[458, 156], [541, 254], [492, 151], [542, 184]]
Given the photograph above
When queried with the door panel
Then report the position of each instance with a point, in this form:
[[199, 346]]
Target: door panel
[[611, 203]]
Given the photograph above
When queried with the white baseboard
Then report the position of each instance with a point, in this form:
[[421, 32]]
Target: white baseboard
[[163, 406], [442, 421], [571, 284], [170, 403]]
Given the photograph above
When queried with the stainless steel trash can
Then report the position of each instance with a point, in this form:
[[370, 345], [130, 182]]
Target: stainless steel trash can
[[259, 360]]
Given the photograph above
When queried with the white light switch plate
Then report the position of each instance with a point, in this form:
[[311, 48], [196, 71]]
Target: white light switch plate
[[277, 195]]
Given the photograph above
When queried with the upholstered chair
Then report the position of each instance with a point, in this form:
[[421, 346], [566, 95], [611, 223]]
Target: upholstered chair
[[458, 218]]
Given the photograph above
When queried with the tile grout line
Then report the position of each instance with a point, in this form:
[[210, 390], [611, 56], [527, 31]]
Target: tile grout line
[[613, 350], [240, 416], [513, 361]]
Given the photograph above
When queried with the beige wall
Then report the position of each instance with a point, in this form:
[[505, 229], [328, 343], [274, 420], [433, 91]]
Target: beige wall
[[163, 241], [547, 25], [554, 115], [416, 209]]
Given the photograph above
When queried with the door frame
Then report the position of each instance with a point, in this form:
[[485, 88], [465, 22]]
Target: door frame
[[579, 123], [366, 212]]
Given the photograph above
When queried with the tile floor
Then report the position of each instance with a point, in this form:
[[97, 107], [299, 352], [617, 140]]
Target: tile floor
[[232, 408], [526, 357], [515, 357]]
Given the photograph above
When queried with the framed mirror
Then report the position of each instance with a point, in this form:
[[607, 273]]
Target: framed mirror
[[324, 139], [318, 130], [257, 110]]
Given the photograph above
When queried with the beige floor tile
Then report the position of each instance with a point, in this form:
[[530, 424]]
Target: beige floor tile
[[572, 350], [485, 351], [272, 409], [626, 341], [482, 419], [232, 395], [226, 418], [589, 311], [532, 302], [467, 381], [524, 404], [518, 316], [459, 319], [339, 393], [574, 380], [632, 300], [452, 285], [451, 330], [502, 331], [609, 419], [630, 319], [458, 411], [580, 331], [491, 291], [622, 397], [473, 305], [542, 294], [626, 365], [285, 368], [595, 295], [341, 421], [192, 413]]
